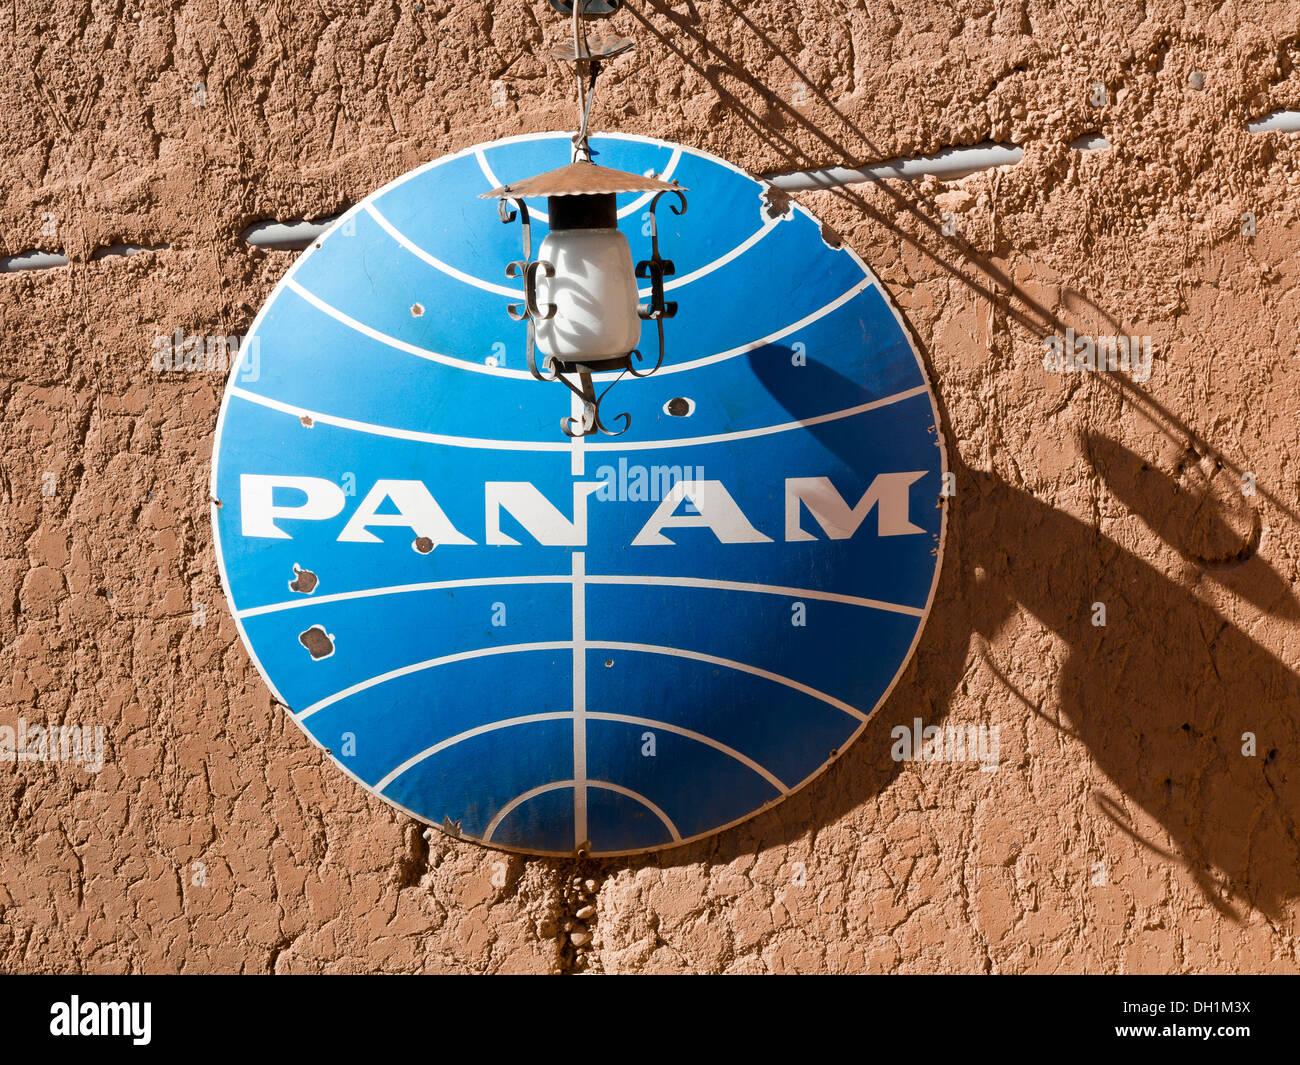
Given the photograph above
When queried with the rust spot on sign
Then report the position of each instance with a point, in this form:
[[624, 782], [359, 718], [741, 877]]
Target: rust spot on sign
[[304, 580], [318, 642]]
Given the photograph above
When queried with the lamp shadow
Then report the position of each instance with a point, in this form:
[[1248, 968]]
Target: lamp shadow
[[1168, 695]]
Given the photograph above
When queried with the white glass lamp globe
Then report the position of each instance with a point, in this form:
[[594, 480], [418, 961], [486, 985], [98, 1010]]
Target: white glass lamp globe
[[594, 292]]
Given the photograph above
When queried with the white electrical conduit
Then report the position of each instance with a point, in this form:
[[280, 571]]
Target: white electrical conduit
[[956, 163], [949, 165], [1090, 142], [1278, 121], [286, 236], [44, 260], [33, 260], [126, 250]]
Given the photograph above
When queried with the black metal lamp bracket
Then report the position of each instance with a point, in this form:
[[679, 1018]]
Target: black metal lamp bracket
[[528, 268], [655, 269]]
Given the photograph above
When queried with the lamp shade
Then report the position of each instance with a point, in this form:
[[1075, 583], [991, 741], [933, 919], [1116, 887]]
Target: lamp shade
[[594, 292], [581, 178]]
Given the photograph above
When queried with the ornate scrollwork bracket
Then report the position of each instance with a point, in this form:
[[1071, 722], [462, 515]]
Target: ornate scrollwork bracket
[[528, 268], [655, 269]]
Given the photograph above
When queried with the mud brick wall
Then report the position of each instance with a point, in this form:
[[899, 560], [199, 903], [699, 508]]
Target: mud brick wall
[[1129, 826]]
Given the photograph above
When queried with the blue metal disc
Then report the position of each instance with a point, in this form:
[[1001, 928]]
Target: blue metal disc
[[608, 644]]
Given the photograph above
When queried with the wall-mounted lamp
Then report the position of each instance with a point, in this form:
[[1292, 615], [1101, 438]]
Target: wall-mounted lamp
[[580, 293]]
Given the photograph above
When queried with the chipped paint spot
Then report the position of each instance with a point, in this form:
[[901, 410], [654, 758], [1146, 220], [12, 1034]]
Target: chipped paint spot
[[319, 643], [304, 581]]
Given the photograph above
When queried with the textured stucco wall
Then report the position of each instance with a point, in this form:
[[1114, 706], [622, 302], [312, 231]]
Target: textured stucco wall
[[1124, 830]]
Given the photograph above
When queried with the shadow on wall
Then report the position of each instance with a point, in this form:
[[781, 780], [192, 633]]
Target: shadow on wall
[[1164, 693]]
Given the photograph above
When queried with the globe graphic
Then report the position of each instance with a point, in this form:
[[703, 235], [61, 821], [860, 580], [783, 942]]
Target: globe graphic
[[610, 644]]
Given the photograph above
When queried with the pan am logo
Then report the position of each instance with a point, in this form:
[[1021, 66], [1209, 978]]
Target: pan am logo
[[430, 578]]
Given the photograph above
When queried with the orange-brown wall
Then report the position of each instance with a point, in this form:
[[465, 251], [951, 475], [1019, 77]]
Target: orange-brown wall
[[1124, 830]]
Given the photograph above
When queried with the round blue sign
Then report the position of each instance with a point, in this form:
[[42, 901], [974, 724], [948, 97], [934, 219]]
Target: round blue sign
[[607, 644]]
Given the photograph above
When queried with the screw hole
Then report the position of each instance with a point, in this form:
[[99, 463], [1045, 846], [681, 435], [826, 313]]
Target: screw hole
[[417, 309], [679, 407]]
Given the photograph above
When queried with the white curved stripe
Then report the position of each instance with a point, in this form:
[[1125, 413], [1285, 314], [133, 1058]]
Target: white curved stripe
[[727, 663], [468, 734], [436, 263], [601, 645], [618, 789], [416, 667], [618, 579], [503, 290], [646, 197], [495, 182], [523, 375], [536, 212], [604, 785], [400, 345], [551, 445], [738, 250], [754, 345], [563, 715], [766, 589], [401, 589], [698, 737], [397, 434]]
